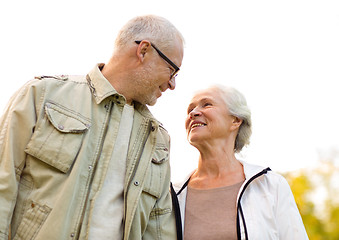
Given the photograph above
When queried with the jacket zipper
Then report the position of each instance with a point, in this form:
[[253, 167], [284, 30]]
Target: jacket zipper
[[239, 208]]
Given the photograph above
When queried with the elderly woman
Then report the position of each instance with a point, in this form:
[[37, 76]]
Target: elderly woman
[[226, 198]]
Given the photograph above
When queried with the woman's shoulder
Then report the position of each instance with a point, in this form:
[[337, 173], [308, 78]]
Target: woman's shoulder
[[252, 170], [178, 186]]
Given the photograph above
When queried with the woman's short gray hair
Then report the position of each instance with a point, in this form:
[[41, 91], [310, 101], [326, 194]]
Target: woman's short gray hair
[[157, 30], [237, 106]]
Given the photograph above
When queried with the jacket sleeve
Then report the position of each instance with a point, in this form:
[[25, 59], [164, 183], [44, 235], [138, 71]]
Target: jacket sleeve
[[16, 127], [289, 221]]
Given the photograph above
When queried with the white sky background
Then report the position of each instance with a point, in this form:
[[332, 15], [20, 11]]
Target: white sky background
[[282, 55]]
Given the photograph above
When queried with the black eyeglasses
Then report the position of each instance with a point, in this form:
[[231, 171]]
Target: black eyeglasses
[[163, 56]]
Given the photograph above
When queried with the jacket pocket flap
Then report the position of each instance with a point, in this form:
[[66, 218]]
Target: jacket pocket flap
[[64, 120], [161, 155], [58, 137]]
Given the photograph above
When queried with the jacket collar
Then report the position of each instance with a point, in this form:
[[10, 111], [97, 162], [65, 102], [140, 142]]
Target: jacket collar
[[99, 85], [250, 170]]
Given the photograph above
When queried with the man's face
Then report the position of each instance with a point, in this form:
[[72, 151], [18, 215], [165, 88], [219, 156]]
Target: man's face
[[155, 78]]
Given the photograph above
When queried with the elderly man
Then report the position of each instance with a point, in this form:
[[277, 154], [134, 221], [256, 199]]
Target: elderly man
[[81, 157]]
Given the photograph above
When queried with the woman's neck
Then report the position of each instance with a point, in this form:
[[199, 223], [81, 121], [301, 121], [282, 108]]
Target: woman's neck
[[217, 168]]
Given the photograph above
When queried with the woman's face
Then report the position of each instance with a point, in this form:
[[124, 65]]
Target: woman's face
[[208, 118]]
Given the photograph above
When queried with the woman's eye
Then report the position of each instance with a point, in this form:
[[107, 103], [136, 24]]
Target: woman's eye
[[207, 104]]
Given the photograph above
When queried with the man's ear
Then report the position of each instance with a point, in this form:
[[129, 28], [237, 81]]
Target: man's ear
[[236, 123], [142, 49]]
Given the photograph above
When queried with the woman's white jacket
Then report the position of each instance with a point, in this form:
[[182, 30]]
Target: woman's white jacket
[[266, 208]]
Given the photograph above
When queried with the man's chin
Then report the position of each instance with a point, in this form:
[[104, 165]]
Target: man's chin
[[151, 103]]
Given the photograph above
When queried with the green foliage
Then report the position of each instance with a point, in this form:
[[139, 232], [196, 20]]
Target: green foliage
[[315, 192]]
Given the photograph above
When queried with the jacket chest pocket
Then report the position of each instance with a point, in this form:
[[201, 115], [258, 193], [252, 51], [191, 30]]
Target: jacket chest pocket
[[154, 181], [58, 137]]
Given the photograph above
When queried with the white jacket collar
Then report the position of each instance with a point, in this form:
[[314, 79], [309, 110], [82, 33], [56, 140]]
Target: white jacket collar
[[249, 170]]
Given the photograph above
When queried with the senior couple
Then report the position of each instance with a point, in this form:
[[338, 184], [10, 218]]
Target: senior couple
[[82, 157]]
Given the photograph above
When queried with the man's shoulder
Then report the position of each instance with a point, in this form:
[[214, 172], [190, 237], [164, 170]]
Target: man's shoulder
[[81, 79], [60, 88], [56, 84]]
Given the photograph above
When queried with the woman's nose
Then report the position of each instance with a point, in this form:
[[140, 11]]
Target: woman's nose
[[194, 113]]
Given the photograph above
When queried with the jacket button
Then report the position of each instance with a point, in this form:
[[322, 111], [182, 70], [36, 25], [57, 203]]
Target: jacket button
[[136, 183], [61, 127], [72, 235]]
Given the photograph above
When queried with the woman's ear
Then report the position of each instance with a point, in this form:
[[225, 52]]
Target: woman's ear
[[236, 123]]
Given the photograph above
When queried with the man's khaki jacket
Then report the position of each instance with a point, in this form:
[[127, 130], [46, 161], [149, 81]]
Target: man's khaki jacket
[[54, 138]]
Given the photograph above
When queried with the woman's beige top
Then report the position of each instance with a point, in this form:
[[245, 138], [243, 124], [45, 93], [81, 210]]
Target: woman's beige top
[[211, 213]]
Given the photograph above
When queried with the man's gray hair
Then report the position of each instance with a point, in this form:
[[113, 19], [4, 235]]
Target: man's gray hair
[[237, 106], [155, 29]]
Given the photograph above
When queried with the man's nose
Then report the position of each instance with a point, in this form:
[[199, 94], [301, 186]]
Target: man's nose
[[171, 83]]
